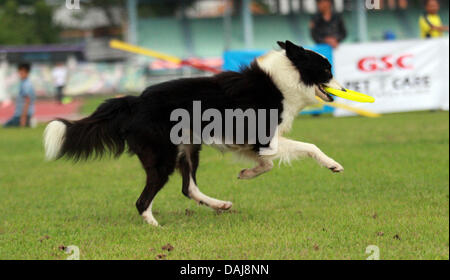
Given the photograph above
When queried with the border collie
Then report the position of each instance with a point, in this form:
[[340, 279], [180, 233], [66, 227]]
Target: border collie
[[286, 80]]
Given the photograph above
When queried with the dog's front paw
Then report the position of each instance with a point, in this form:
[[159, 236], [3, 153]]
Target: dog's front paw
[[336, 167], [331, 164], [226, 206]]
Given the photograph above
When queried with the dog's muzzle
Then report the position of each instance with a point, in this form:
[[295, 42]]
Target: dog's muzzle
[[325, 96]]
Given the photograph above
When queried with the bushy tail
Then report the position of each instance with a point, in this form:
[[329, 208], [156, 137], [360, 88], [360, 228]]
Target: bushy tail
[[100, 133]]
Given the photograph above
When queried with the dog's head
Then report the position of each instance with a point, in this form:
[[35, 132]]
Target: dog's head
[[314, 69]]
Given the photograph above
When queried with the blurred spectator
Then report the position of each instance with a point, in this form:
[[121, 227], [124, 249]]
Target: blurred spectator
[[403, 4], [430, 22], [25, 100], [394, 4], [326, 26], [59, 74]]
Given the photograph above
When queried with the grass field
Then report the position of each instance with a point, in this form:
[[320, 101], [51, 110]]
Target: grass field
[[394, 193]]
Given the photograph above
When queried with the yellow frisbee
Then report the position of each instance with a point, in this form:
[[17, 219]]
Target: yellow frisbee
[[350, 95]]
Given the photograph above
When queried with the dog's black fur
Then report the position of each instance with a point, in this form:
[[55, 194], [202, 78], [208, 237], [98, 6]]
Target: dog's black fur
[[143, 123]]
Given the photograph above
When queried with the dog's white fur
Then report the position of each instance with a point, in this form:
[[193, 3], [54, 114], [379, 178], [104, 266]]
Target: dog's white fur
[[201, 198], [289, 150], [53, 139], [148, 216]]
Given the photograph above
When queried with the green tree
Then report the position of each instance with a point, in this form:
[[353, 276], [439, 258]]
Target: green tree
[[25, 22]]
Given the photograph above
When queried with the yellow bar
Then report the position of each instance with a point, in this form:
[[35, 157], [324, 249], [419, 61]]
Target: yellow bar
[[116, 44]]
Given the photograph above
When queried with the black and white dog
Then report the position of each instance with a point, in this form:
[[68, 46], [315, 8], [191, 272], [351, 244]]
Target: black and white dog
[[286, 80]]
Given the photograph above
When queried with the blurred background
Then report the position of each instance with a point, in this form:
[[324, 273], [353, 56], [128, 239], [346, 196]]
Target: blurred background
[[214, 34]]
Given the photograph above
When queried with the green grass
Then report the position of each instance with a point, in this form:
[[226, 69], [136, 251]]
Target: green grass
[[396, 181]]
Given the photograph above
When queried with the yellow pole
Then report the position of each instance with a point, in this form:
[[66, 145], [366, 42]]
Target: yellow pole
[[116, 44]]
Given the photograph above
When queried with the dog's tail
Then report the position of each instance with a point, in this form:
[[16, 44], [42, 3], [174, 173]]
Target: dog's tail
[[102, 132]]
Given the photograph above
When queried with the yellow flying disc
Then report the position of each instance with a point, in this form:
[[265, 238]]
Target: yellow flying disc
[[350, 95]]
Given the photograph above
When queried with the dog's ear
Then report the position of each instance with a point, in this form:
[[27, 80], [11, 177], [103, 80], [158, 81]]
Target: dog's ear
[[291, 47], [294, 51], [281, 44]]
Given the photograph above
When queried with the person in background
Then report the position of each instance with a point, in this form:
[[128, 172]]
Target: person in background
[[326, 26], [25, 100], [430, 22], [59, 74]]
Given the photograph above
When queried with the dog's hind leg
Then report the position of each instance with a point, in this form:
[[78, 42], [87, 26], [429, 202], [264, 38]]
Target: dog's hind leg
[[263, 165], [158, 167], [290, 149], [188, 159]]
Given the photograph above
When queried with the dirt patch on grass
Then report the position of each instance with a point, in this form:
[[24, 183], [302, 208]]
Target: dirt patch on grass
[[43, 238], [161, 257], [167, 247], [188, 212], [220, 212]]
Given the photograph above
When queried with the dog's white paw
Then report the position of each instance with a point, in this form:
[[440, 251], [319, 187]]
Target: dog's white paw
[[226, 205], [149, 219], [335, 167], [331, 164]]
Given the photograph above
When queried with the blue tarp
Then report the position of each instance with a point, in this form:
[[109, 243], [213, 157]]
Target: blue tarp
[[233, 60]]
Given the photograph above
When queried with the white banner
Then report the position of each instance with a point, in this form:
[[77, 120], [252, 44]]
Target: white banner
[[402, 75]]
